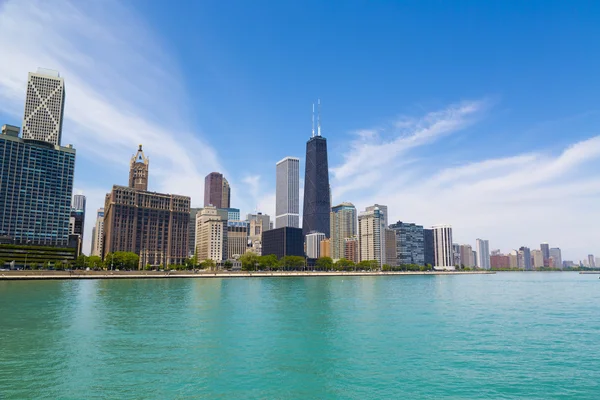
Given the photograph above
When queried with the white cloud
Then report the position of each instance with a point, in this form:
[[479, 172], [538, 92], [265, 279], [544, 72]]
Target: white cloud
[[520, 199], [122, 89]]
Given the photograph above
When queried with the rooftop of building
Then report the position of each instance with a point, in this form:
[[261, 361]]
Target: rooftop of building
[[288, 158]]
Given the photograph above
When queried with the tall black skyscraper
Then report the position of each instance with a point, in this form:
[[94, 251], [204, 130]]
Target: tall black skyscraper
[[317, 202]]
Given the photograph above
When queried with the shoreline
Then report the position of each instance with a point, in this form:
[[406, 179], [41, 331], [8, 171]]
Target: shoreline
[[64, 275]]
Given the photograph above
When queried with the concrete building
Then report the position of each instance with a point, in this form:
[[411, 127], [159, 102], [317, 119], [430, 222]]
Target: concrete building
[[391, 248], [233, 214], [410, 243], [79, 202], [209, 235], [283, 242], [351, 249], [442, 246], [192, 231], [500, 261], [591, 261], [371, 235], [545, 249], [98, 234], [513, 258], [483, 254], [44, 107], [138, 170], [343, 225], [287, 193], [383, 209], [317, 197], [36, 185], [428, 245], [313, 244], [526, 257], [76, 226], [537, 258], [237, 239], [325, 248], [556, 257], [258, 224], [466, 256], [216, 191]]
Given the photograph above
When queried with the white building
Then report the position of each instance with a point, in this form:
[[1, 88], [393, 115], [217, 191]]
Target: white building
[[209, 234], [287, 193], [383, 209], [483, 253], [98, 234], [442, 246], [371, 235], [44, 106], [313, 244]]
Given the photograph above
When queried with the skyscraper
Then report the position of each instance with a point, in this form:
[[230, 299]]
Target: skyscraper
[[287, 195], [371, 236], [483, 254], [313, 244], [216, 191], [209, 234], [526, 255], [466, 255], [237, 238], [428, 244], [556, 256], [98, 234], [442, 246], [44, 106], [410, 243], [537, 257], [545, 248], [383, 209], [317, 200], [138, 171], [343, 225], [79, 202], [591, 261]]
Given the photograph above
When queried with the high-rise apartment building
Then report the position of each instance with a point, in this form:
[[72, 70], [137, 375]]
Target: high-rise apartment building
[[371, 236], [442, 246], [483, 254], [287, 193], [217, 191], [383, 209], [391, 248], [343, 225], [591, 261], [555, 257], [313, 244], [138, 170], [525, 253], [237, 238], [456, 254], [317, 198], [537, 257], [466, 255], [44, 107], [410, 243], [429, 249], [98, 234], [351, 249], [545, 249], [325, 247], [36, 184], [79, 202], [209, 235], [152, 225], [513, 259]]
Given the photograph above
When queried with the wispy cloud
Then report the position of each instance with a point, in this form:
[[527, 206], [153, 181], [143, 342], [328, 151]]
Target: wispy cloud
[[122, 89]]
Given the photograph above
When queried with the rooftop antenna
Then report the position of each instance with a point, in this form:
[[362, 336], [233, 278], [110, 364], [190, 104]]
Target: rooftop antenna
[[313, 120], [319, 119]]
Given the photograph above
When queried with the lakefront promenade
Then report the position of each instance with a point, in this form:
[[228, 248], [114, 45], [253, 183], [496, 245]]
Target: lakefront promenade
[[80, 274]]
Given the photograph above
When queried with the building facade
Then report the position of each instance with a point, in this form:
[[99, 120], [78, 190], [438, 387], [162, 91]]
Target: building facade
[[325, 248], [44, 107], [209, 235], [410, 243], [138, 170], [442, 246], [283, 242], [98, 234], [537, 258], [483, 254], [525, 261], [36, 185], [287, 193], [237, 239], [257, 224], [545, 249], [391, 248], [317, 199], [383, 209], [429, 249], [499, 261], [313, 244], [466, 256], [216, 191], [371, 236], [343, 225], [351, 249]]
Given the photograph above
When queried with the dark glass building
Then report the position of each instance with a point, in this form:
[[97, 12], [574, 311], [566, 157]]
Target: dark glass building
[[428, 242], [36, 184], [286, 241], [317, 201], [410, 246]]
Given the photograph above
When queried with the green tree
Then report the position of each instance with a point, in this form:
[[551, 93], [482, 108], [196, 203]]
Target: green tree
[[324, 263], [344, 264], [2, 262], [293, 262], [249, 261], [268, 261], [148, 267], [227, 264], [80, 262], [208, 264], [94, 262], [386, 267]]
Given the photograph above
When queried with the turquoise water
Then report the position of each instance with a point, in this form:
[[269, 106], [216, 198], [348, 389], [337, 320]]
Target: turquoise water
[[503, 336]]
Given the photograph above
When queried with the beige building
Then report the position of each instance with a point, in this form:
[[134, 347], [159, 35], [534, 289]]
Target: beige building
[[537, 258], [325, 248], [342, 225], [371, 235], [209, 235], [237, 239], [466, 255], [138, 171], [98, 234], [513, 259]]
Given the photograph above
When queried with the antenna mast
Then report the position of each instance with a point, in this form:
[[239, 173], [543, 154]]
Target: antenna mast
[[313, 120], [319, 119]]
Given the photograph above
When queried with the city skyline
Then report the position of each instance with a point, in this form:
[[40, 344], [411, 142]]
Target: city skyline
[[525, 186]]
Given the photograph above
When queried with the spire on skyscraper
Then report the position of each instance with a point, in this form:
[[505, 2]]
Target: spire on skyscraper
[[313, 120], [319, 118]]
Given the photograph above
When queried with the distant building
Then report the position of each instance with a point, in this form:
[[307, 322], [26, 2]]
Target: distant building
[[351, 249], [209, 235], [138, 170], [283, 242], [76, 226], [537, 258], [287, 193], [44, 107], [513, 258], [343, 225], [429, 249], [98, 234], [466, 255], [216, 191], [456, 256], [36, 181], [237, 238], [313, 244], [526, 255], [391, 248], [192, 231], [325, 248], [233, 214], [258, 224], [371, 235], [499, 261], [442, 245], [79, 202], [545, 249], [591, 261], [410, 243], [483, 254], [383, 209]]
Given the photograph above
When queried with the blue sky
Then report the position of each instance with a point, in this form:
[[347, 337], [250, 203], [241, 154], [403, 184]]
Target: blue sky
[[484, 115]]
